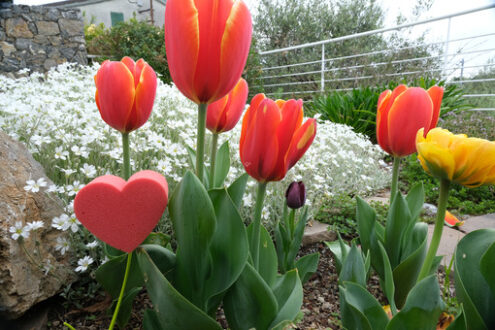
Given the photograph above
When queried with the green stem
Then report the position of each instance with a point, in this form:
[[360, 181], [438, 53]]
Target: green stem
[[127, 160], [122, 290], [437, 232], [255, 237], [395, 178], [200, 146], [213, 158], [69, 326], [292, 224]]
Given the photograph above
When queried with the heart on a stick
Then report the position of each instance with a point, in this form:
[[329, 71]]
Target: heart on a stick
[[122, 214]]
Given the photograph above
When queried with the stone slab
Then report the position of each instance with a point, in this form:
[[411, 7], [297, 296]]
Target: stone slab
[[479, 222], [316, 232], [448, 242]]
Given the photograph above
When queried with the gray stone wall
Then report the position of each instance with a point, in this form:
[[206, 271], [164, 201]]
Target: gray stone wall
[[39, 38]]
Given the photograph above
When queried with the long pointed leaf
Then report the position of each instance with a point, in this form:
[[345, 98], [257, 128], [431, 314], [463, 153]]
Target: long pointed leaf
[[222, 165], [289, 294], [173, 309]]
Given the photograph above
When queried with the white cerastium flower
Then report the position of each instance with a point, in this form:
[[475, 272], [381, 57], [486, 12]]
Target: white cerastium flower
[[18, 231], [84, 263], [34, 186]]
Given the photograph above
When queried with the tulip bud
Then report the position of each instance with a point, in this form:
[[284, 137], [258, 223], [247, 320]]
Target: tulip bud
[[296, 195], [125, 93]]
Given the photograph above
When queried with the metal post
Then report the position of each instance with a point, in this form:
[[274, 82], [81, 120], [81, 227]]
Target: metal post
[[152, 16], [322, 84], [462, 70], [446, 50]]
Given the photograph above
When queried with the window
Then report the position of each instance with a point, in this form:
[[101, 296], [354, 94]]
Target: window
[[116, 18]]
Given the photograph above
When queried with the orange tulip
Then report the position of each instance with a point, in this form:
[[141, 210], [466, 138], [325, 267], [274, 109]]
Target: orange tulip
[[402, 113], [125, 93], [273, 137], [207, 44], [223, 115]]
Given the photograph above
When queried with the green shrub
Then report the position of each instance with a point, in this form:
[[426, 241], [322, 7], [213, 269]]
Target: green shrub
[[133, 38], [356, 108]]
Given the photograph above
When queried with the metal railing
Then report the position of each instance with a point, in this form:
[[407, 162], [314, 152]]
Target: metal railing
[[309, 68]]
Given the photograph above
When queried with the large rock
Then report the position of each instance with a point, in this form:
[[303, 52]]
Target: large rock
[[70, 27], [22, 282], [47, 28], [17, 28]]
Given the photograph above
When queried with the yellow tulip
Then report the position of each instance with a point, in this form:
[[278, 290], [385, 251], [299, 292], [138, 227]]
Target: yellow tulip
[[456, 157]]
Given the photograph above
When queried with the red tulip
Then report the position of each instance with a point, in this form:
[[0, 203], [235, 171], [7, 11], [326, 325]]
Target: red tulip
[[272, 137], [402, 113], [207, 44], [223, 115], [125, 93]]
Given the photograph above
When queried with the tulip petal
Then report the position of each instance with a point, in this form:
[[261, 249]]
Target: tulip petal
[[234, 47], [301, 141], [115, 98], [409, 112], [182, 44], [437, 161], [145, 97], [131, 65], [215, 114], [246, 121], [237, 103], [385, 102], [212, 18], [259, 151], [451, 220], [436, 95]]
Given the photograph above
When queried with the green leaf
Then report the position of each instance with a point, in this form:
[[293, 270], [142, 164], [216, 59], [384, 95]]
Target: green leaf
[[422, 308], [237, 189], [487, 267], [194, 221], [192, 157], [162, 257], [297, 239], [173, 309], [111, 275], [388, 287], [353, 268], [459, 321], [158, 239], [126, 307], [471, 287], [359, 309], [406, 273], [339, 250], [268, 263], [222, 165], [415, 200], [250, 303], [366, 217], [398, 216], [229, 246], [112, 252], [307, 266], [280, 246], [289, 294], [151, 320]]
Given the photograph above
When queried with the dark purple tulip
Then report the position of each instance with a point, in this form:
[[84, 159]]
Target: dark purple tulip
[[296, 195]]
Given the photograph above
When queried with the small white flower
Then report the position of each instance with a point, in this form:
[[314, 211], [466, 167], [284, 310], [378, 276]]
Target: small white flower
[[47, 266], [74, 188], [60, 153], [68, 171], [104, 260], [19, 231], [61, 222], [92, 245], [84, 264], [73, 223], [34, 186], [35, 225], [82, 152], [62, 245], [52, 188], [88, 170]]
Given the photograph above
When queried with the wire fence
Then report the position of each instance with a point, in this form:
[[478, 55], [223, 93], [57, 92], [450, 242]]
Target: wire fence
[[405, 52]]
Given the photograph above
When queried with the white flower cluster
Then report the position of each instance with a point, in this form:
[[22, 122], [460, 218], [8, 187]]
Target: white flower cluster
[[56, 117]]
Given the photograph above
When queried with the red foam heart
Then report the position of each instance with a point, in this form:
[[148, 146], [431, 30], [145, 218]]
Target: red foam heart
[[122, 214]]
